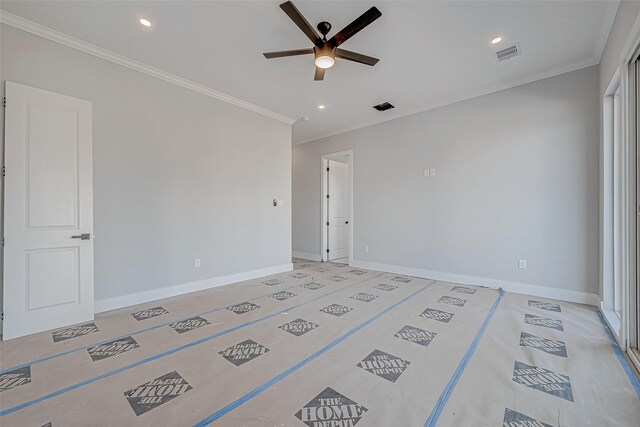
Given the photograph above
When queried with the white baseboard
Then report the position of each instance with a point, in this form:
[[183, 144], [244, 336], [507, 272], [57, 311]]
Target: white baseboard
[[516, 287], [185, 288], [306, 255]]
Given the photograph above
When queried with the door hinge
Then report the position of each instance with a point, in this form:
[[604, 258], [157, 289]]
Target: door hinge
[[327, 222], [3, 242], [4, 170], [327, 196], [327, 250], [4, 102], [327, 169]]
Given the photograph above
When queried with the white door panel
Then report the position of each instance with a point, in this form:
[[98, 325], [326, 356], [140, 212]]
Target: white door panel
[[338, 210], [48, 275]]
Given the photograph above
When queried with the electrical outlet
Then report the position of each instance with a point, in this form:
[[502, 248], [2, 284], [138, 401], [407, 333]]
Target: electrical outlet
[[366, 248], [426, 172], [522, 264], [196, 262]]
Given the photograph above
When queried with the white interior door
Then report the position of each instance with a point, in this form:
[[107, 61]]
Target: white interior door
[[48, 211], [338, 210]]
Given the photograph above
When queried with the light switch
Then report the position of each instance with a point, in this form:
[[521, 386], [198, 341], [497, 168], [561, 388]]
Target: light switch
[[280, 202], [426, 172], [433, 172]]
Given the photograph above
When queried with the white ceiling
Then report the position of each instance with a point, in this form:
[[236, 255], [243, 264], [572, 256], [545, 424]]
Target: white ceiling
[[431, 53]]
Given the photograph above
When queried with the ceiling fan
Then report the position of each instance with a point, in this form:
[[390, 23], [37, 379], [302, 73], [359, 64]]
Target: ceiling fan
[[326, 51]]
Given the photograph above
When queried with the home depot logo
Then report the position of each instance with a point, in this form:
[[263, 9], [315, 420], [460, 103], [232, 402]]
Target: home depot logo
[[532, 319], [75, 331], [545, 305], [112, 348], [245, 307], [281, 296], [154, 393], [298, 327], [463, 290], [384, 365], [416, 335], [243, 352], [385, 287], [357, 272], [336, 309], [189, 324], [362, 296], [440, 316], [15, 378], [331, 409], [516, 419], [149, 313], [453, 301], [543, 379], [557, 348]]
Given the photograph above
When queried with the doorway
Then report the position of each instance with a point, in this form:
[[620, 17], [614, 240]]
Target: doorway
[[337, 207]]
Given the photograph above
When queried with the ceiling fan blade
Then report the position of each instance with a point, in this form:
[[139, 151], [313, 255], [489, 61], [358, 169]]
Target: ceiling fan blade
[[283, 53], [301, 22], [356, 57], [319, 73], [350, 30]]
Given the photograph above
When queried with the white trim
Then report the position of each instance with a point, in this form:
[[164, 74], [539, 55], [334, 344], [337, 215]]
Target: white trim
[[323, 214], [453, 100], [72, 42], [613, 321], [307, 255], [516, 287], [635, 358], [185, 288]]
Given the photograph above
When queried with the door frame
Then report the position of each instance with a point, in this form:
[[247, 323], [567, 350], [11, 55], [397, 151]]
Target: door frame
[[324, 161], [626, 333]]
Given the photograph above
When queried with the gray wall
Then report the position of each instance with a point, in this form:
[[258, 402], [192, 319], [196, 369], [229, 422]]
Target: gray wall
[[517, 177], [177, 174]]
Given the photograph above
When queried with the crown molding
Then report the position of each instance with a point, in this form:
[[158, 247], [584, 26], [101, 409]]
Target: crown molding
[[72, 42], [607, 24]]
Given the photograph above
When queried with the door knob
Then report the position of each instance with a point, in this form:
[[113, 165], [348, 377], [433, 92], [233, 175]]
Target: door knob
[[83, 236]]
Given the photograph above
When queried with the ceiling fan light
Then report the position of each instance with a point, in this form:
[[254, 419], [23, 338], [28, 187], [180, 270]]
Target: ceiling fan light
[[324, 62], [325, 56]]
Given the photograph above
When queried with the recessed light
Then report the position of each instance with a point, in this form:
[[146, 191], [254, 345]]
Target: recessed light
[[321, 107], [496, 40], [145, 22]]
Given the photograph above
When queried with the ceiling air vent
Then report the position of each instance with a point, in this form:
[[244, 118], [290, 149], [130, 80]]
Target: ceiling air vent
[[509, 52], [384, 106]]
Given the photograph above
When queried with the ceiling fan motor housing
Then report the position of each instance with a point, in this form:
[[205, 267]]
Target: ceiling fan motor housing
[[324, 27]]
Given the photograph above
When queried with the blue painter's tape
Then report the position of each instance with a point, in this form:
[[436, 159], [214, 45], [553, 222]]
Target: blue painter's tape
[[620, 356], [448, 390], [140, 331], [167, 353], [230, 407]]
